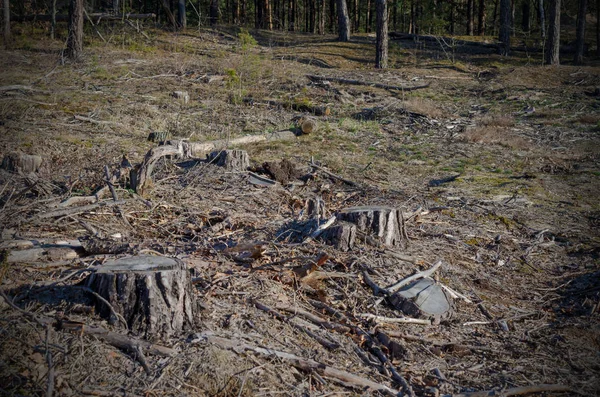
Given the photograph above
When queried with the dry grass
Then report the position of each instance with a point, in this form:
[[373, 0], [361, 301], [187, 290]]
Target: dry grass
[[424, 106], [497, 120], [496, 135]]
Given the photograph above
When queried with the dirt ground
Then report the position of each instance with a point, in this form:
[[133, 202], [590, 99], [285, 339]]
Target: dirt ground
[[495, 166]]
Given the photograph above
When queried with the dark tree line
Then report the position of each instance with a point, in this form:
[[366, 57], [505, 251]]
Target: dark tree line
[[504, 19]]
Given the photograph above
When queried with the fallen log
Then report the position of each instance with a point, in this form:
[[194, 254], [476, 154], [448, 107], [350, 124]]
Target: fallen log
[[299, 107], [342, 377], [198, 149], [367, 83], [153, 294]]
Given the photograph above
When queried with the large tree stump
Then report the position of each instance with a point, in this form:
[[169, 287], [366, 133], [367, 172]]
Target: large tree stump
[[233, 160], [153, 294], [20, 162], [384, 222], [341, 236]]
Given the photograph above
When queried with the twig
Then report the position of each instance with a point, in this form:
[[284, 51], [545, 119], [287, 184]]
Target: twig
[[93, 25], [50, 382], [394, 320], [358, 82], [455, 294], [109, 183], [334, 176], [107, 303]]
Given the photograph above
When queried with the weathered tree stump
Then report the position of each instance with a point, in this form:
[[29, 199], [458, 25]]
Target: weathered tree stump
[[384, 222], [234, 160], [314, 208], [152, 294], [341, 236], [424, 299], [20, 162]]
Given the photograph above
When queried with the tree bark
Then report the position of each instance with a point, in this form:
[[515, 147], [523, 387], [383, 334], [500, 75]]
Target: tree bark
[[214, 12], [53, 20], [343, 21], [580, 41], [385, 223], [470, 17], [6, 27], [598, 28], [322, 17], [505, 27], [181, 18], [542, 18], [75, 39], [553, 40], [525, 16], [153, 295], [381, 53], [481, 18]]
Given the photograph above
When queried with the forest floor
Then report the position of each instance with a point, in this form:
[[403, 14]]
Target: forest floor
[[516, 226]]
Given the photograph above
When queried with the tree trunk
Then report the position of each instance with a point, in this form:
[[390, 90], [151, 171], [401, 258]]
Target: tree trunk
[[115, 6], [381, 54], [525, 16], [268, 15], [75, 39], [598, 28], [292, 16], [322, 17], [553, 40], [181, 17], [505, 25], [481, 18], [152, 294], [470, 17], [169, 13], [343, 21], [368, 17], [214, 12], [542, 18], [384, 223], [53, 21], [6, 27], [332, 14], [579, 44]]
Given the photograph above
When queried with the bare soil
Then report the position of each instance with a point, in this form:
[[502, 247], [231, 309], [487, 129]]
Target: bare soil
[[517, 229]]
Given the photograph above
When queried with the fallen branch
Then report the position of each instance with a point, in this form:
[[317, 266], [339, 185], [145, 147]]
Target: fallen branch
[[517, 391], [143, 174], [343, 377], [198, 149], [78, 210], [299, 107], [331, 174], [395, 287], [394, 320], [371, 84]]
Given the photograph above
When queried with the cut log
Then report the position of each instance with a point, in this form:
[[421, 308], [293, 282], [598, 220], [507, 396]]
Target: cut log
[[19, 162], [233, 160], [199, 149], [384, 222], [153, 294], [342, 236], [424, 299]]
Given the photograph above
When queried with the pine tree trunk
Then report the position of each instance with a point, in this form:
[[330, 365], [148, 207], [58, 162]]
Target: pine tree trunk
[[214, 12], [579, 44], [343, 21], [481, 19], [470, 17], [75, 39], [332, 14], [181, 18], [292, 16], [542, 18], [381, 53], [525, 16], [598, 28], [505, 25], [553, 39], [6, 27], [322, 17]]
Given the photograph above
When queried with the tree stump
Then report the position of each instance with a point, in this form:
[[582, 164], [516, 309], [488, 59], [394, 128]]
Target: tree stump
[[424, 299], [384, 222], [314, 208], [153, 294], [233, 160], [20, 162], [341, 236]]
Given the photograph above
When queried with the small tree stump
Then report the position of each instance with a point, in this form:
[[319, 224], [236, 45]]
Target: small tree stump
[[341, 236], [314, 208], [153, 294], [20, 162], [384, 222], [234, 160]]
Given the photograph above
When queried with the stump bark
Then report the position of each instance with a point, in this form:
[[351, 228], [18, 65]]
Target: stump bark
[[20, 162], [233, 160], [384, 222], [153, 294], [341, 236]]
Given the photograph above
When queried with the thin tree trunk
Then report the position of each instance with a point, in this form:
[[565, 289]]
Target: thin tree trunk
[[53, 21], [470, 17], [75, 39], [322, 17], [214, 12], [181, 17], [332, 15], [343, 21], [6, 30], [542, 18], [381, 53], [368, 17], [598, 28], [505, 25], [268, 15], [356, 14], [481, 19], [169, 13], [553, 39], [525, 16], [452, 5], [292, 16], [579, 44]]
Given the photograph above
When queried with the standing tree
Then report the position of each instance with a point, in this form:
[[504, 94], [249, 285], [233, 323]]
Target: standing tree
[[481, 18], [6, 31], [470, 17], [542, 18], [553, 39], [75, 39], [579, 44], [214, 12], [343, 21], [181, 19], [505, 25], [381, 47]]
